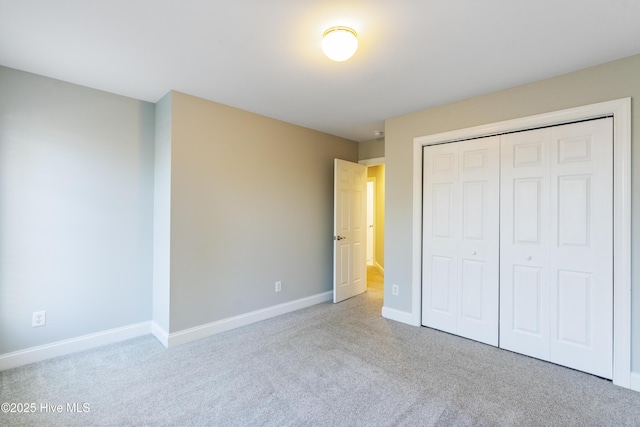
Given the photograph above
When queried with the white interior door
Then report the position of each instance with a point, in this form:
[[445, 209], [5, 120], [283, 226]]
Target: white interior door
[[556, 245], [349, 267], [461, 245]]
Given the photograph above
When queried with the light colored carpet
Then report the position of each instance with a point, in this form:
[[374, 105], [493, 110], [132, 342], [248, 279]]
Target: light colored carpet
[[339, 364]]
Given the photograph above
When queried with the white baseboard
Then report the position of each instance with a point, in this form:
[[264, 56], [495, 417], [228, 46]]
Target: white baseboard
[[160, 334], [635, 381], [379, 267], [86, 342], [61, 348], [202, 331], [399, 316]]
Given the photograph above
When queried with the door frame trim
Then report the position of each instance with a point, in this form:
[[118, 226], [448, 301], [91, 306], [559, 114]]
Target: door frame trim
[[374, 200], [620, 109]]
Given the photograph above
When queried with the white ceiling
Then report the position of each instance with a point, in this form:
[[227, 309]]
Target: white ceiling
[[264, 55]]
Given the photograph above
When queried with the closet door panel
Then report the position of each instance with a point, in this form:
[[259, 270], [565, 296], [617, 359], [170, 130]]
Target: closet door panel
[[582, 248], [460, 238], [479, 239], [440, 237], [524, 242], [556, 257]]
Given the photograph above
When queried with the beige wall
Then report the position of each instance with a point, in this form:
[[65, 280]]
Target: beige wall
[[251, 203], [618, 79], [377, 172]]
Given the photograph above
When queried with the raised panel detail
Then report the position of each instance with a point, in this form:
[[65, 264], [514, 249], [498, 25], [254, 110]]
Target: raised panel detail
[[357, 213], [574, 210], [344, 176], [526, 299], [443, 163], [345, 261], [357, 178], [574, 302], [345, 214], [357, 268], [474, 195], [527, 155], [574, 149], [527, 210], [441, 283], [442, 209], [472, 281], [474, 160]]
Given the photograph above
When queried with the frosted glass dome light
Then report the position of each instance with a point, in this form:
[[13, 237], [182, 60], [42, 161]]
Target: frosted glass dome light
[[339, 43]]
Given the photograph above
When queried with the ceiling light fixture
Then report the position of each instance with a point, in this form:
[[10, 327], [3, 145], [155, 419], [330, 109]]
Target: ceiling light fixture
[[339, 43]]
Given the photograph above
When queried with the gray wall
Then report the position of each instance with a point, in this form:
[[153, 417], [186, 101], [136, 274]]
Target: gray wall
[[251, 203], [162, 213], [618, 79], [371, 149], [234, 202], [76, 200]]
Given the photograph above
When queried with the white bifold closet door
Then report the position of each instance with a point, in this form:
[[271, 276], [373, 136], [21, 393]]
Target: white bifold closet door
[[556, 253], [461, 238]]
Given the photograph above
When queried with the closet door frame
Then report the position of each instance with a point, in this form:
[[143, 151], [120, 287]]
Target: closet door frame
[[620, 110]]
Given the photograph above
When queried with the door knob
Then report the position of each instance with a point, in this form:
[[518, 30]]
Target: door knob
[[529, 258], [339, 237], [473, 252]]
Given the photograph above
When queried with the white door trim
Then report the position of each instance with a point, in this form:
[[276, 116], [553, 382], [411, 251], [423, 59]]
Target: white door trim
[[620, 109], [372, 162]]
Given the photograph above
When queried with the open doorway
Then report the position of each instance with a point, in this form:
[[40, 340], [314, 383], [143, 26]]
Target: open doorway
[[371, 218], [375, 223]]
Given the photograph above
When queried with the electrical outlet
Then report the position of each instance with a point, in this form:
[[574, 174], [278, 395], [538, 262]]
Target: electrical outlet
[[278, 286], [39, 318], [394, 289]]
